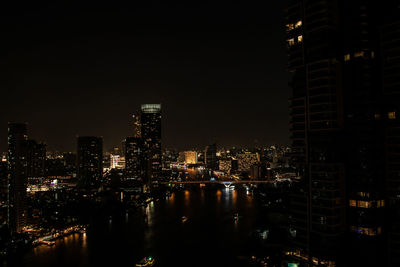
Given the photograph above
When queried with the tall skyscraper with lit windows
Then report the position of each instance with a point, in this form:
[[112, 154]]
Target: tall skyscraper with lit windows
[[89, 160], [150, 120], [342, 57], [17, 176]]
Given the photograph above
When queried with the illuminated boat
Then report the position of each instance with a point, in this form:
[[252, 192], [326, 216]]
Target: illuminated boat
[[145, 262]]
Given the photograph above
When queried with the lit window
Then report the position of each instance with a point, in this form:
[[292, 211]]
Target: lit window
[[392, 115], [291, 41], [377, 116], [372, 54], [353, 203], [347, 57], [290, 26], [359, 54], [298, 24], [300, 38]]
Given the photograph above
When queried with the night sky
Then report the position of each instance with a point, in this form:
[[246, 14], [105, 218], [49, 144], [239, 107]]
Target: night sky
[[219, 70]]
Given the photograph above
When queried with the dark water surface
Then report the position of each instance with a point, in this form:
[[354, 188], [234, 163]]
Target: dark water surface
[[210, 236]]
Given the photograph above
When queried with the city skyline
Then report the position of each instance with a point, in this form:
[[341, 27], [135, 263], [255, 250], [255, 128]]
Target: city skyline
[[86, 76]]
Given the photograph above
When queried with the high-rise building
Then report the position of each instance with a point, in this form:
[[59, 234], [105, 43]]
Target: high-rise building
[[190, 157], [246, 160], [339, 118], [210, 157], [137, 125], [150, 119], [133, 158], [36, 158], [17, 175], [90, 160], [3, 192]]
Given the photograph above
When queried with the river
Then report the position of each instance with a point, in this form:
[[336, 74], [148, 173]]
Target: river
[[209, 237]]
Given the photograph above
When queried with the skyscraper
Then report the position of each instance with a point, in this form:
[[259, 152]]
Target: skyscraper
[[133, 158], [150, 119], [17, 175], [36, 158], [339, 118], [90, 160], [210, 157]]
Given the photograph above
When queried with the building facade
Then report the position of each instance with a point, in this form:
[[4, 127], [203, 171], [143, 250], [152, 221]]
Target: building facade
[[340, 121], [89, 160], [17, 176], [150, 119]]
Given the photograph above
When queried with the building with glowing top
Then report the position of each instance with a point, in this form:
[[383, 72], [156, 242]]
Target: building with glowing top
[[150, 120]]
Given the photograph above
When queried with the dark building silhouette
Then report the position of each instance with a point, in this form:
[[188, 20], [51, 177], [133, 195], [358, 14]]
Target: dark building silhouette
[[17, 176], [3, 192], [89, 160], [390, 117], [210, 157], [342, 57], [150, 119], [133, 158], [36, 158], [69, 160]]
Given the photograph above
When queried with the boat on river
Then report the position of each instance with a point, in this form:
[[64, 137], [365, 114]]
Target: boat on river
[[146, 262]]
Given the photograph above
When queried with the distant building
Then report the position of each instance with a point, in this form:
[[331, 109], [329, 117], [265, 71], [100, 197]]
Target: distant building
[[133, 158], [246, 160], [210, 157], [181, 157], [90, 160], [3, 192], [17, 175], [258, 171], [36, 159], [70, 164], [137, 125], [225, 165], [190, 157], [150, 119]]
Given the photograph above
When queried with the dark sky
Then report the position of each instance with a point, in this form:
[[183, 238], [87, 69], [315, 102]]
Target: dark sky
[[218, 68]]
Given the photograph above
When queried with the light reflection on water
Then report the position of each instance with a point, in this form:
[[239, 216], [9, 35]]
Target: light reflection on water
[[157, 229]]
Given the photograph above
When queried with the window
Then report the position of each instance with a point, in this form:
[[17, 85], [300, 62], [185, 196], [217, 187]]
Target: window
[[359, 54], [392, 115], [347, 57], [300, 38], [298, 24], [291, 41], [289, 26]]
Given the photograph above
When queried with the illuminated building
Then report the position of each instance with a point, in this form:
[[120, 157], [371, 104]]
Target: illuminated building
[[133, 158], [90, 160], [341, 119], [210, 157], [137, 125], [225, 165], [17, 175], [190, 157], [150, 119], [246, 160], [117, 162]]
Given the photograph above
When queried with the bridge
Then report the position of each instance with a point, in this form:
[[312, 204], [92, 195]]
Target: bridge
[[227, 183]]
